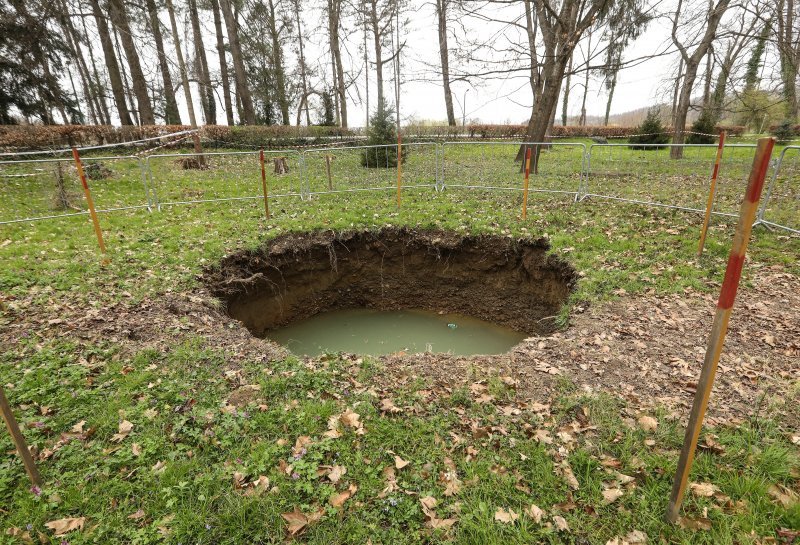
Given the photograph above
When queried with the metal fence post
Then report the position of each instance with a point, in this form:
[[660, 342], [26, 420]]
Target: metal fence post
[[776, 170], [153, 193], [144, 183], [305, 183]]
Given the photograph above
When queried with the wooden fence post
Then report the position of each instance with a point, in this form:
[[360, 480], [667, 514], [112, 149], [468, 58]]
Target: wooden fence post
[[711, 191], [89, 200], [720, 326], [19, 440]]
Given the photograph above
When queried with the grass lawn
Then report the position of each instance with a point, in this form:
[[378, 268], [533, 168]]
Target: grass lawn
[[180, 439]]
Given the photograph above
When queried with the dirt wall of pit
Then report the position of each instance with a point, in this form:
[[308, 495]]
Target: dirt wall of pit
[[506, 281]]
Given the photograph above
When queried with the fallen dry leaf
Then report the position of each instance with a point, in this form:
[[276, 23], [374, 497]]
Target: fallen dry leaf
[[561, 523], [428, 502], [65, 525], [399, 463], [703, 490], [296, 521], [337, 500], [611, 495], [648, 423], [124, 429], [137, 515], [388, 406], [336, 473], [535, 513], [505, 516], [782, 495]]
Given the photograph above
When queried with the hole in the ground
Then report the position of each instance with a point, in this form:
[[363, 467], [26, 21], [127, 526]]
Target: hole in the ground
[[375, 292]]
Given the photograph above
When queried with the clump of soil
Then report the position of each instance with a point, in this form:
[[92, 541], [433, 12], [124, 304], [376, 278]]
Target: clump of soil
[[510, 282]]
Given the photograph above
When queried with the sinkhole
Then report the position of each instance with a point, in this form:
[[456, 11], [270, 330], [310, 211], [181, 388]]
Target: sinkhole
[[394, 290]]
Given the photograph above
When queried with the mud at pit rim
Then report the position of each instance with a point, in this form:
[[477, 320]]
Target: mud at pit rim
[[511, 282]]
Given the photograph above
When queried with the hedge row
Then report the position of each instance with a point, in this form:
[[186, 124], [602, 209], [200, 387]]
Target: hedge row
[[18, 137], [518, 131], [21, 137]]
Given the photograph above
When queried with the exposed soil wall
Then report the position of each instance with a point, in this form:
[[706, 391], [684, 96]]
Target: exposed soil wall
[[511, 282]]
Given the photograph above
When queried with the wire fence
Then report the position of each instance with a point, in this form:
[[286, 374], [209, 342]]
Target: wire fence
[[34, 189]]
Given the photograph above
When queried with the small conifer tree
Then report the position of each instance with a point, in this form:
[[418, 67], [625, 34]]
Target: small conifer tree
[[651, 131], [703, 129], [382, 133]]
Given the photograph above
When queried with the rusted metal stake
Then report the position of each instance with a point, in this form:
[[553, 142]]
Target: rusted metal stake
[[89, 200], [264, 182], [711, 191], [720, 326], [19, 440], [525, 186], [399, 167]]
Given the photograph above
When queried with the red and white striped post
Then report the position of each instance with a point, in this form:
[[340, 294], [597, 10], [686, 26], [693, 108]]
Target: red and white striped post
[[720, 326], [711, 192], [525, 184]]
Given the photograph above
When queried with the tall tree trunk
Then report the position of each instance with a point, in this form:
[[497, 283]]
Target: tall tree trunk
[[376, 35], [83, 73], [366, 70], [171, 113], [277, 64], [125, 84], [99, 88], [444, 55], [112, 67], [789, 52], [334, 17], [207, 99], [303, 79], [708, 76], [676, 91], [565, 103], [611, 89], [120, 19], [240, 74], [223, 63], [187, 92]]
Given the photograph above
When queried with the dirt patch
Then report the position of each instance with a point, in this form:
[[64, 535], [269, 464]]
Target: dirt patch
[[511, 282]]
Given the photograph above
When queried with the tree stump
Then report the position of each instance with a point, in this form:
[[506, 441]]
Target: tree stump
[[281, 165]]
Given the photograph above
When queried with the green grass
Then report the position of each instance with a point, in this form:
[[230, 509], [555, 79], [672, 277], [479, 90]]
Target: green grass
[[617, 248], [174, 401]]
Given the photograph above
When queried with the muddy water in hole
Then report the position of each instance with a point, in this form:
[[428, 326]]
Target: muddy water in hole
[[375, 332]]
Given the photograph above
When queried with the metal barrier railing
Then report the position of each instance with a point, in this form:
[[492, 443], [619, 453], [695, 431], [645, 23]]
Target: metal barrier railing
[[37, 189], [242, 180], [370, 168], [645, 174], [497, 166], [780, 206]]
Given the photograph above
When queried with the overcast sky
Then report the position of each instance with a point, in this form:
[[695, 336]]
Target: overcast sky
[[496, 100]]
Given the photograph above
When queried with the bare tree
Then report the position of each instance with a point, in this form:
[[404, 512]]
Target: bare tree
[[187, 92], [444, 54], [223, 63], [334, 25], [120, 19], [789, 50], [112, 67], [171, 114], [380, 15], [240, 74], [561, 24], [691, 62], [276, 28], [207, 100]]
